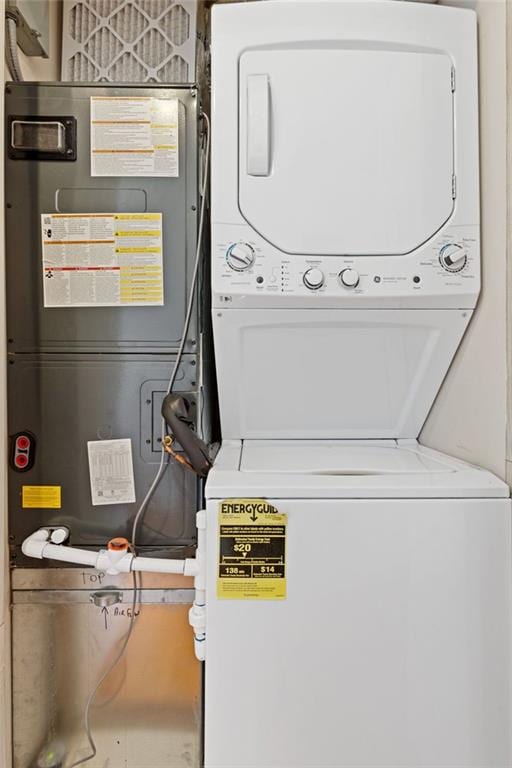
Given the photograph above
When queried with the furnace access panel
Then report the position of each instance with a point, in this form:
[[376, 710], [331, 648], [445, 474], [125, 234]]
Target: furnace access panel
[[101, 233], [51, 156]]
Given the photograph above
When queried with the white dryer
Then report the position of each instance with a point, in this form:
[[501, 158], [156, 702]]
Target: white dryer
[[358, 588]]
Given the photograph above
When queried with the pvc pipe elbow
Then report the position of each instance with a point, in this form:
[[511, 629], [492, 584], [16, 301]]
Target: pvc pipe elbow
[[197, 620], [33, 545], [200, 648]]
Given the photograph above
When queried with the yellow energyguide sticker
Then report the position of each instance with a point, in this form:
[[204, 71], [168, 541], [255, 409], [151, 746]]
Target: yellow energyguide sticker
[[252, 550], [41, 497]]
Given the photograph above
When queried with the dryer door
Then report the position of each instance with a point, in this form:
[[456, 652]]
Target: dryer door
[[345, 149]]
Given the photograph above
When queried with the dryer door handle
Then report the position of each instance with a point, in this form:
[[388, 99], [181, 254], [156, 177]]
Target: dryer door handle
[[258, 125]]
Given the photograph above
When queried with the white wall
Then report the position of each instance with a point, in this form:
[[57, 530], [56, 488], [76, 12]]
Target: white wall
[[470, 414]]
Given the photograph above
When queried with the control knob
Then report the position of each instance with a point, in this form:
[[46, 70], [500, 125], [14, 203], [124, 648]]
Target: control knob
[[240, 256], [313, 278], [453, 257], [349, 278]]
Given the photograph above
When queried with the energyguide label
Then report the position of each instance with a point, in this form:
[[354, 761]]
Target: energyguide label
[[102, 259], [111, 471], [134, 136], [252, 550]]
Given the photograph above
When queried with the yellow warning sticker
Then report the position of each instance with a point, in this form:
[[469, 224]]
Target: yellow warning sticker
[[41, 497], [252, 550]]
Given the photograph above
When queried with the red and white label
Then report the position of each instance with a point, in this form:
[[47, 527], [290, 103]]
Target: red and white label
[[102, 259]]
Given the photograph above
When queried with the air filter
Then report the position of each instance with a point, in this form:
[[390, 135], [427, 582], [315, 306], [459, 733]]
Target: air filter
[[133, 41]]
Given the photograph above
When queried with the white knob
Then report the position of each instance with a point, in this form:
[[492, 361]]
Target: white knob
[[349, 278], [240, 256], [453, 257], [313, 278]]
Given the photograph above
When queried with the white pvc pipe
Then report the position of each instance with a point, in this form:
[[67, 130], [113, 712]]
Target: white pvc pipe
[[80, 556], [34, 547], [158, 565], [37, 545], [197, 614]]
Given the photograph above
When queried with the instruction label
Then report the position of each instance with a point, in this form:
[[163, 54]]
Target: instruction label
[[102, 259], [41, 497], [252, 550], [111, 471], [134, 136]]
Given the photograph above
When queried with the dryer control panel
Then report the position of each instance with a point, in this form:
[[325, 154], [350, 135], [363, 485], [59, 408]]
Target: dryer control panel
[[248, 271]]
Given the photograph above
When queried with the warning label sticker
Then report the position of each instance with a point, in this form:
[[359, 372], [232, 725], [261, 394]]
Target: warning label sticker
[[252, 550], [134, 136], [41, 497], [102, 259]]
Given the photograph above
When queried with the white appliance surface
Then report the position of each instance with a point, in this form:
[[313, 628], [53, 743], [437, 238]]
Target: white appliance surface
[[391, 649], [306, 373], [345, 137], [345, 265], [339, 469], [345, 213], [325, 101]]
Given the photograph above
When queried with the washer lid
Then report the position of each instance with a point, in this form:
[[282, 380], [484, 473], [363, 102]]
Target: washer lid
[[338, 459], [309, 469], [345, 147]]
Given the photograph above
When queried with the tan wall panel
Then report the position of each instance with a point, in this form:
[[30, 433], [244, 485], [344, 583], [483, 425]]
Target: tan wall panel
[[37, 68], [5, 654]]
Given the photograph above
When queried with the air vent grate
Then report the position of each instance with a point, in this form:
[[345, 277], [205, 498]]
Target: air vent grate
[[129, 41]]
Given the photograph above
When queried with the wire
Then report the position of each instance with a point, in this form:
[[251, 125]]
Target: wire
[[164, 461], [92, 695], [11, 48]]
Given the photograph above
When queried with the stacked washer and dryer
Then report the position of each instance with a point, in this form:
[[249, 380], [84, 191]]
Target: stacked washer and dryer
[[346, 269]]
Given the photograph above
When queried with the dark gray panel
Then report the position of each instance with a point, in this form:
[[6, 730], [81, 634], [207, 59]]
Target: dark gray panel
[[66, 400], [31, 189], [78, 200]]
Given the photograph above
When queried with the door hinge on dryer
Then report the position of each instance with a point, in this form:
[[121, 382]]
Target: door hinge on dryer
[[454, 186], [452, 76]]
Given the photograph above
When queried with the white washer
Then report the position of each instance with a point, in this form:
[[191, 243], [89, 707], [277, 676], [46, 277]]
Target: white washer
[[345, 270], [392, 647]]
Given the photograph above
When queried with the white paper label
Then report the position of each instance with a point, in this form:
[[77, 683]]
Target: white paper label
[[134, 136], [102, 259], [111, 471]]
